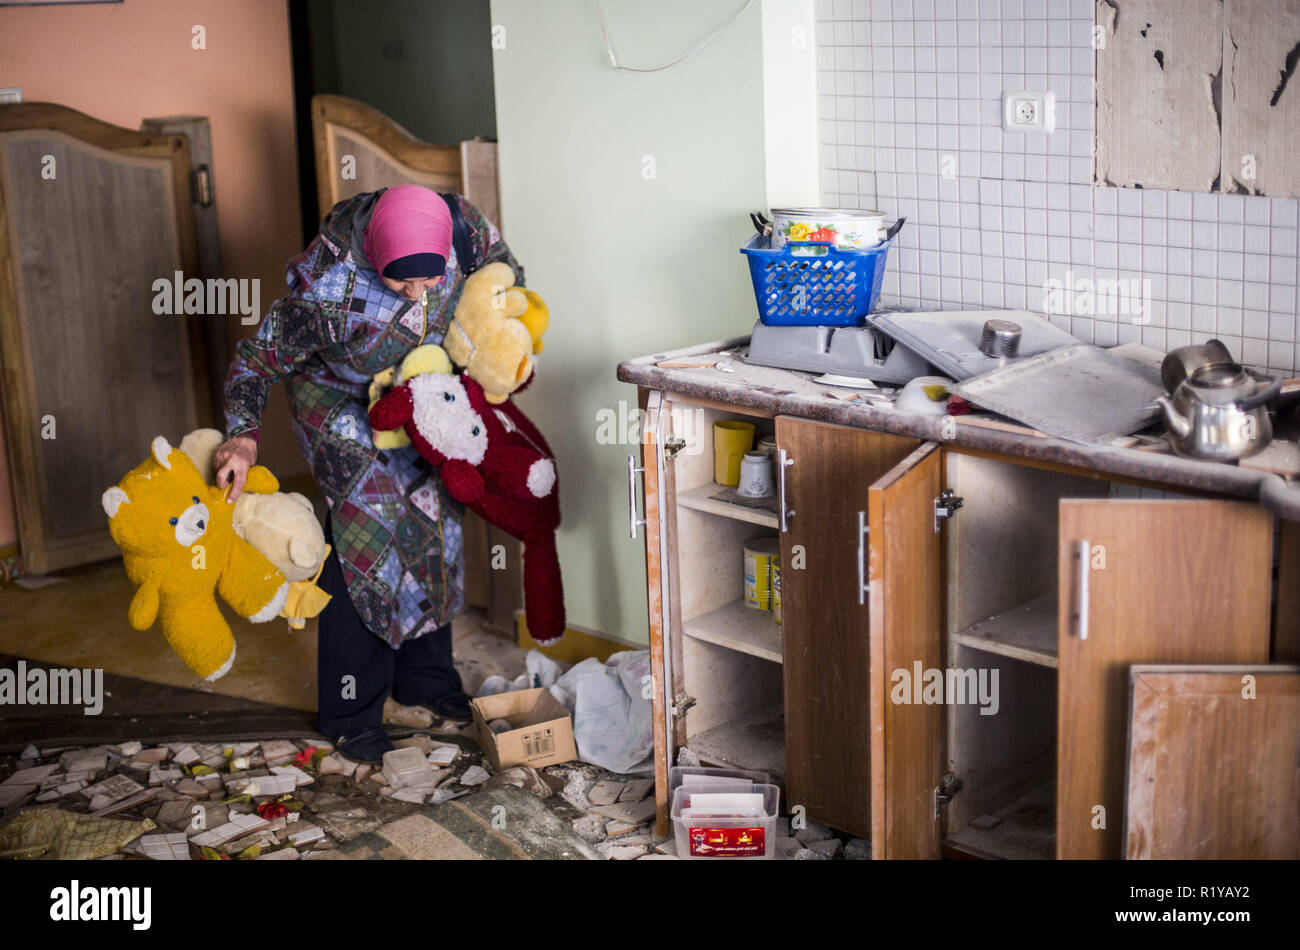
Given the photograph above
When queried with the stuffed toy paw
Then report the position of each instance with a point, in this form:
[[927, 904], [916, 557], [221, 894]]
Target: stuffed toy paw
[[180, 549], [492, 459], [496, 331]]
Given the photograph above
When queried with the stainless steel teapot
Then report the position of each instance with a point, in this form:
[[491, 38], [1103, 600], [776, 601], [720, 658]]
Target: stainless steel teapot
[[1219, 412]]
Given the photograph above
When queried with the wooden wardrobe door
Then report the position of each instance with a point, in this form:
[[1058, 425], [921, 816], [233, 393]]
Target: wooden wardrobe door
[[906, 605], [1212, 770], [825, 631], [91, 215], [1163, 582]]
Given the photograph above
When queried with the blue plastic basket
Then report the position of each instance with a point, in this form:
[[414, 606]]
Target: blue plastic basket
[[814, 283]]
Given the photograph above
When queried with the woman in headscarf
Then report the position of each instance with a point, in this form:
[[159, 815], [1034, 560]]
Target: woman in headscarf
[[382, 277]]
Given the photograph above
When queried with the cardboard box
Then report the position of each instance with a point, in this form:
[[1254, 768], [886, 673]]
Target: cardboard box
[[542, 733]]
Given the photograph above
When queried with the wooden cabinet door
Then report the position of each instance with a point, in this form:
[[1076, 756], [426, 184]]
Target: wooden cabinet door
[[1212, 763], [1162, 582], [906, 604], [824, 634]]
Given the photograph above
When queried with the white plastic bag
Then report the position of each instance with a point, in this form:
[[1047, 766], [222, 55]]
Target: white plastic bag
[[611, 709]]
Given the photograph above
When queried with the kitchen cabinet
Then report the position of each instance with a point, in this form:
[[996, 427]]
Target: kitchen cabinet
[[932, 565]]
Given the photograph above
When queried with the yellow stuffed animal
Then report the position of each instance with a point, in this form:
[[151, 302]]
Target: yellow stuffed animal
[[179, 546], [496, 331], [281, 525]]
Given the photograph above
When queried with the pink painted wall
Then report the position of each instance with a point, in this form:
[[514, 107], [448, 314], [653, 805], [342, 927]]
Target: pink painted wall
[[126, 62]]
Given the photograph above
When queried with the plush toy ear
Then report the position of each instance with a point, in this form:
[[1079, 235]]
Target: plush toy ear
[[301, 553], [162, 451], [429, 358], [112, 500], [392, 411]]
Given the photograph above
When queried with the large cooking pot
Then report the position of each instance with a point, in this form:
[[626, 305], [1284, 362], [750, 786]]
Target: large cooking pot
[[847, 230]]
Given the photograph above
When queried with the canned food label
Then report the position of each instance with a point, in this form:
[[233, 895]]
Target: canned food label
[[727, 842]]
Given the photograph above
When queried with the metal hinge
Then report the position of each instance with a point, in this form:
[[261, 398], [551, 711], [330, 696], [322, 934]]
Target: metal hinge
[[681, 703], [948, 786], [945, 506], [201, 186], [673, 444]]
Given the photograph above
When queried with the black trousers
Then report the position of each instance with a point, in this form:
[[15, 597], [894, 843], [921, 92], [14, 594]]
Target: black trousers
[[356, 670]]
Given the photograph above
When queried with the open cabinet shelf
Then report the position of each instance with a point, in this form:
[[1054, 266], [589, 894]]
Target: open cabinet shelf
[[1026, 830], [702, 498], [752, 742], [1025, 632], [741, 628]]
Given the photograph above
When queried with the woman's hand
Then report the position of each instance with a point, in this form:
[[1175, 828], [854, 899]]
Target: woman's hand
[[232, 460]]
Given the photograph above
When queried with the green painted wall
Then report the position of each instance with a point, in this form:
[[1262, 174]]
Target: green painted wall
[[424, 63], [629, 264]]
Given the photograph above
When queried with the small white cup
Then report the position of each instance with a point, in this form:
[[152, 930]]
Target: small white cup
[[755, 475]]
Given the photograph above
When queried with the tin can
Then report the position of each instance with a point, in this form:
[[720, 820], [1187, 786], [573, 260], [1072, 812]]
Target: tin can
[[759, 555], [776, 589]]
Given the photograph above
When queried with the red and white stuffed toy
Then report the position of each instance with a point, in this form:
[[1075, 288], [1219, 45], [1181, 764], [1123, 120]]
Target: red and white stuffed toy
[[493, 460]]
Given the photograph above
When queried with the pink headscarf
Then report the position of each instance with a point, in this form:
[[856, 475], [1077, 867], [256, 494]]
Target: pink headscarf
[[408, 219]]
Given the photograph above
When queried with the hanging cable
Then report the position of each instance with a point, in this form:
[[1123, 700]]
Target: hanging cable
[[613, 59]]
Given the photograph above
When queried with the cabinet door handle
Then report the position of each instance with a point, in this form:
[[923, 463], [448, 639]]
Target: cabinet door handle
[[1084, 550], [863, 587], [632, 519], [783, 462]]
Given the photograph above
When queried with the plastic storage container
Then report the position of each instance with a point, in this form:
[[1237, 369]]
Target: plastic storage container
[[814, 283], [743, 836]]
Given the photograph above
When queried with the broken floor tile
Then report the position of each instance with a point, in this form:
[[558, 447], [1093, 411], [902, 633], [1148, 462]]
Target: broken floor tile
[[236, 779], [237, 827], [159, 776], [423, 743], [128, 749], [278, 749], [336, 764], [36, 775], [150, 756], [443, 754], [575, 790], [11, 795], [635, 790], [807, 854], [187, 756], [115, 788], [620, 829], [214, 816], [187, 786], [282, 854], [31, 752], [445, 795], [300, 777], [787, 847], [164, 847], [85, 760], [605, 792], [130, 802], [241, 749], [362, 772], [618, 852], [416, 795], [259, 785], [668, 846], [634, 813], [258, 839]]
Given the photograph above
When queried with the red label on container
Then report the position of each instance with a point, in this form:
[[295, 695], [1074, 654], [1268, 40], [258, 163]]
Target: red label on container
[[727, 842]]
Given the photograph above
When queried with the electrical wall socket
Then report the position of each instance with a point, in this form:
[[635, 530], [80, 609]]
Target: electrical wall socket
[[1024, 110]]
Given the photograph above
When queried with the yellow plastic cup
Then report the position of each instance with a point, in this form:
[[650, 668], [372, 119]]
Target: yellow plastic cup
[[731, 440]]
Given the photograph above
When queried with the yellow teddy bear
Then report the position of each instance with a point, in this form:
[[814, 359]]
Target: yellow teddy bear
[[496, 331], [179, 546]]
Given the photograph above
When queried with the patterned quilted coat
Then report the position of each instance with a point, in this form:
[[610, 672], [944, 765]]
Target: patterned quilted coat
[[398, 532]]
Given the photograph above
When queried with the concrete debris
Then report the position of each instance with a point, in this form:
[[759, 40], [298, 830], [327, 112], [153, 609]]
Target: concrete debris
[[301, 777], [164, 847], [813, 831], [130, 802], [575, 790], [36, 775], [411, 716], [336, 764], [634, 813], [282, 854], [590, 828], [362, 772], [829, 847], [667, 846], [443, 754], [187, 756], [150, 756], [525, 777], [278, 752], [620, 829], [687, 758], [787, 848], [416, 795], [807, 854], [859, 849], [31, 752], [11, 795], [159, 776], [445, 795]]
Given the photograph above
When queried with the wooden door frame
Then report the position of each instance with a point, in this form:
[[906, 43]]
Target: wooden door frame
[[39, 553]]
